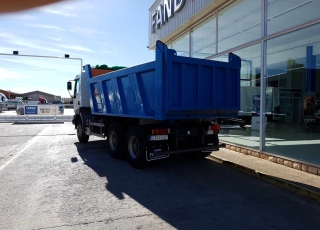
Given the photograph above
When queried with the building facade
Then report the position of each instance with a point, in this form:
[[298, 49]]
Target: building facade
[[279, 44], [35, 95], [9, 94]]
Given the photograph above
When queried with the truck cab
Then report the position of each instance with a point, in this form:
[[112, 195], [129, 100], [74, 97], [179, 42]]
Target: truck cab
[[81, 95]]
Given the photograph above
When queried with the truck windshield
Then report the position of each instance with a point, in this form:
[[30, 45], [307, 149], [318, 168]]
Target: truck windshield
[[77, 87]]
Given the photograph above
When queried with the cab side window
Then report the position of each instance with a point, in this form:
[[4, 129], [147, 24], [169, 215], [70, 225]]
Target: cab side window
[[77, 87]]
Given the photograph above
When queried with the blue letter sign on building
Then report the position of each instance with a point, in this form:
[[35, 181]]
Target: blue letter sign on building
[[31, 110], [164, 11]]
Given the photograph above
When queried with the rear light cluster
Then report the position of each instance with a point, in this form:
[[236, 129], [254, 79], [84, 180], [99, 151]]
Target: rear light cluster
[[160, 131], [214, 128]]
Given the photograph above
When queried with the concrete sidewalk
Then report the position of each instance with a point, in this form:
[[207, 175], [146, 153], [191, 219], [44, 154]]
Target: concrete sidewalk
[[303, 183]]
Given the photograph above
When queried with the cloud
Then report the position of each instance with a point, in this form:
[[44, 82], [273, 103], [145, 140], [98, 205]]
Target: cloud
[[11, 75], [6, 50], [65, 13], [20, 41], [19, 17], [40, 65], [57, 39], [45, 26], [78, 48], [85, 31]]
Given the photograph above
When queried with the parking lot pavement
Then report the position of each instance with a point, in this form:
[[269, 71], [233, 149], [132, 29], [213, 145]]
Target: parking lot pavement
[[52, 181]]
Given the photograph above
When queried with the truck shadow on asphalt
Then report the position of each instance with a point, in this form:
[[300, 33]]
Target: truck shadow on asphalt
[[199, 194]]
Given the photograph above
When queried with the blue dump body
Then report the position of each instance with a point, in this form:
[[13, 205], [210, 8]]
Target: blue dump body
[[170, 88]]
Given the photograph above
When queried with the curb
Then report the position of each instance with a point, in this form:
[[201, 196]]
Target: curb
[[288, 162], [293, 187]]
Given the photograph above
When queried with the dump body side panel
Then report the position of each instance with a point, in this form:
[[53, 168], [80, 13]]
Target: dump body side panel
[[128, 92], [171, 87], [199, 88]]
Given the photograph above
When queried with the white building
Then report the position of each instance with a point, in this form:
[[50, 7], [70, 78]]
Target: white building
[[279, 38]]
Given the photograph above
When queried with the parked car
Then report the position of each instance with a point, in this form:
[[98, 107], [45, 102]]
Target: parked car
[[12, 104]]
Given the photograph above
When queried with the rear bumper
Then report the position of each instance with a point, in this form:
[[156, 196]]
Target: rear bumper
[[205, 148]]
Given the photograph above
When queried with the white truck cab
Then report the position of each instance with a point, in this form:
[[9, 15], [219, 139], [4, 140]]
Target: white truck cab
[[80, 93]]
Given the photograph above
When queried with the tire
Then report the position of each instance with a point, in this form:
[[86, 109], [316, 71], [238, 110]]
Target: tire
[[116, 140], [82, 136], [136, 147]]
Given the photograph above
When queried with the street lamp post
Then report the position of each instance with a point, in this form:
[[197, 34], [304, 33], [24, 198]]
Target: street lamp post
[[66, 56]]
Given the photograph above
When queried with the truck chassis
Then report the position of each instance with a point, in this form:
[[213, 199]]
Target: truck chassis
[[142, 140]]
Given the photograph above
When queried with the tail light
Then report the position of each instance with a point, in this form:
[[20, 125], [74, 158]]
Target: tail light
[[214, 128], [160, 131]]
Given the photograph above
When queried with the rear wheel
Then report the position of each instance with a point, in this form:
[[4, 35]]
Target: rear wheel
[[82, 136], [136, 148], [116, 140]]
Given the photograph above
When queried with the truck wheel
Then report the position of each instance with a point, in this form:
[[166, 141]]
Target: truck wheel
[[82, 136], [136, 148], [116, 140]]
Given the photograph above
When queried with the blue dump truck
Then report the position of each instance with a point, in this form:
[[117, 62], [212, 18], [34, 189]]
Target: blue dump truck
[[150, 111]]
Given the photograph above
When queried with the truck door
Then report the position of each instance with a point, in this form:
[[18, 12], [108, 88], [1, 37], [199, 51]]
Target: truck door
[[77, 94]]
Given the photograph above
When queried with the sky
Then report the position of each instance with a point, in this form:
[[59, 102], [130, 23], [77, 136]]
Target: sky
[[111, 32]]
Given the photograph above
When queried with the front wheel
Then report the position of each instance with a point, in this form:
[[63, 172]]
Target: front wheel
[[136, 148], [82, 136]]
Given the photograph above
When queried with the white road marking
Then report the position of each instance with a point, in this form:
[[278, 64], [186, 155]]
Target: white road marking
[[31, 142]]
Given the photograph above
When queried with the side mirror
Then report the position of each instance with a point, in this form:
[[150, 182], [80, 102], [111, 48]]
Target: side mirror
[[69, 85]]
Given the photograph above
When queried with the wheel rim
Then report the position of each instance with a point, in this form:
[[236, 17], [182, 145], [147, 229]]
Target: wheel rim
[[112, 140], [133, 147]]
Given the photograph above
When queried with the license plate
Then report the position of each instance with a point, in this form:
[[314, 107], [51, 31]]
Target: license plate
[[158, 137]]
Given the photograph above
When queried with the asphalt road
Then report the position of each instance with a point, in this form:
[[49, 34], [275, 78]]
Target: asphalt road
[[50, 181]]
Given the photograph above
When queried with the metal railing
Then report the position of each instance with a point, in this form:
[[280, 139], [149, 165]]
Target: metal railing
[[35, 118]]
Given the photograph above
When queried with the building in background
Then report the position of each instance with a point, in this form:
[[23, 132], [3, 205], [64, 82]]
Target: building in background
[[9, 94], [35, 95], [279, 44]]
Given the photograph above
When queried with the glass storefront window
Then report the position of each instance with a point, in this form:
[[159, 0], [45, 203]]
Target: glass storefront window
[[293, 71], [292, 81], [181, 45], [248, 135], [239, 23], [204, 39], [283, 14]]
